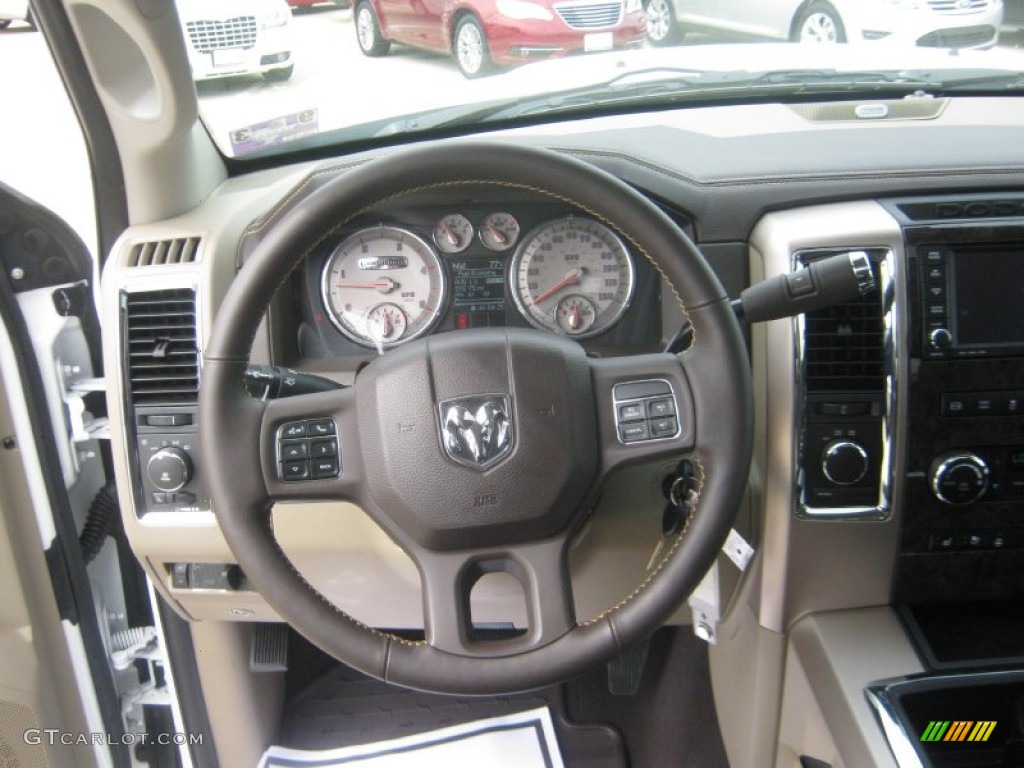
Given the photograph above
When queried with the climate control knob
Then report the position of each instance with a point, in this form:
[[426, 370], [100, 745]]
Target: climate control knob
[[959, 477], [844, 462], [169, 469]]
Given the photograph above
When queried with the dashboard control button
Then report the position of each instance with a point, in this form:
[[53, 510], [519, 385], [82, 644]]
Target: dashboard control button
[[935, 273], [844, 409], [323, 468], [984, 404], [940, 338], [168, 419], [934, 256], [320, 449], [169, 469], [1013, 403], [959, 477], [632, 412], [295, 470], [293, 430], [320, 427], [954, 405], [935, 292], [294, 450], [159, 497], [844, 462], [633, 432]]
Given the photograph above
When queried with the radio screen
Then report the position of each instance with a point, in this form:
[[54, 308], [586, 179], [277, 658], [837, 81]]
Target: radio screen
[[989, 296]]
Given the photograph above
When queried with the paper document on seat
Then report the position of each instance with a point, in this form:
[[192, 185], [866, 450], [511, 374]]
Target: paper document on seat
[[522, 740]]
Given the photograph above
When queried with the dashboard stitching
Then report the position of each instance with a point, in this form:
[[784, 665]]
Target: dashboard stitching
[[653, 573]]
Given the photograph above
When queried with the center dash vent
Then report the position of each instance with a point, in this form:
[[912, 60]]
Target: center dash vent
[[844, 345], [180, 250], [162, 355]]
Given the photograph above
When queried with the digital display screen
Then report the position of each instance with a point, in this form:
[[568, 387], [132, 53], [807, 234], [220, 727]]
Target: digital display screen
[[478, 292], [989, 296]]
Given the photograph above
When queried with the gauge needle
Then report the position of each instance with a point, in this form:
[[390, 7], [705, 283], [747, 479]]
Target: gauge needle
[[385, 285], [387, 325], [574, 317], [572, 277], [449, 234], [497, 234]]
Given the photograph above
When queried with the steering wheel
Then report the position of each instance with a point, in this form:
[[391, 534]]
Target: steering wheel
[[480, 451]]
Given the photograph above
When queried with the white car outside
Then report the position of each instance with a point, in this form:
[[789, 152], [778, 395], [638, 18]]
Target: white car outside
[[945, 24], [14, 10], [228, 38]]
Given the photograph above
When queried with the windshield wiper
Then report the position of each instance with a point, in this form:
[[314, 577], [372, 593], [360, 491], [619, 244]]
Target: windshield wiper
[[661, 86]]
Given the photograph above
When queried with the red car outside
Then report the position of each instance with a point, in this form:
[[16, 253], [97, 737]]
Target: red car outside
[[483, 33]]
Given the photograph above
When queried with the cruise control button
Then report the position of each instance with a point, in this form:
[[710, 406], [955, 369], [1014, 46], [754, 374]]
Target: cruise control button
[[633, 432], [295, 470], [661, 407], [632, 412], [665, 427], [320, 427], [295, 450], [293, 430], [320, 449], [325, 468], [637, 389]]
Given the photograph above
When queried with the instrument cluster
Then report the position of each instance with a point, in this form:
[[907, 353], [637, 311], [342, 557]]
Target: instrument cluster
[[392, 280]]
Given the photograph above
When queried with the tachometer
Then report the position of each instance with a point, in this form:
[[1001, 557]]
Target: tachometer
[[572, 276], [383, 286]]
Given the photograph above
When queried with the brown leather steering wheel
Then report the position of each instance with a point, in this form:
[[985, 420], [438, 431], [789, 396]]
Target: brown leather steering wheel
[[561, 442]]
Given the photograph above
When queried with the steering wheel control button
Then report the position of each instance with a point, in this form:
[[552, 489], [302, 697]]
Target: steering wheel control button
[[320, 428], [661, 407], [295, 470], [634, 432], [321, 449], [650, 413], [317, 458], [632, 412], [664, 427], [323, 468], [294, 450]]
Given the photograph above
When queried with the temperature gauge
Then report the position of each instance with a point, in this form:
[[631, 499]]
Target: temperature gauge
[[453, 233], [575, 314], [499, 231]]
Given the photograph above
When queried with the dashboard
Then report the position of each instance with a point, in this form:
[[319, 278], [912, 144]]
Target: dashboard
[[889, 444]]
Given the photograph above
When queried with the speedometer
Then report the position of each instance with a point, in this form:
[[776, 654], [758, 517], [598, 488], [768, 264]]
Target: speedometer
[[383, 286], [572, 276]]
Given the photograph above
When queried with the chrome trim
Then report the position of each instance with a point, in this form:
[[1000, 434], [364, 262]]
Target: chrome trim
[[861, 266], [896, 735], [454, 444], [882, 510], [883, 696]]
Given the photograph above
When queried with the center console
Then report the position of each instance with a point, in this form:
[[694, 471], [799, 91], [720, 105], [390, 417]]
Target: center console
[[963, 521]]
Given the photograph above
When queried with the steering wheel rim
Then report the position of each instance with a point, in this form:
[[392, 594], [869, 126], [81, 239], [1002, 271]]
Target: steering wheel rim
[[711, 382]]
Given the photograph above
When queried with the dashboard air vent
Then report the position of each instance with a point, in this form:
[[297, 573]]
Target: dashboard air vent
[[160, 346], [844, 345], [180, 250]]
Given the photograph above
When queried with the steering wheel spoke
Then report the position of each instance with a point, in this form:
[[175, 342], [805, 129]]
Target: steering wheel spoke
[[539, 569], [645, 409], [309, 447]]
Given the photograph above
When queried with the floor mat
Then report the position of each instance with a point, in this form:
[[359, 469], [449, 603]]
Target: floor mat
[[671, 721]]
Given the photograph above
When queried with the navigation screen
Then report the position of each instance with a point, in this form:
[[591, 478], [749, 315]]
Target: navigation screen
[[478, 287], [989, 301]]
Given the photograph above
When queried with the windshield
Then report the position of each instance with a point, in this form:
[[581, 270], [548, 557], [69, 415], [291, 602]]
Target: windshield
[[275, 76]]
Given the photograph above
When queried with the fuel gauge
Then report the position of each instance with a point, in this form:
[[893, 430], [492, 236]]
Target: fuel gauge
[[575, 314], [453, 233], [499, 231], [386, 323]]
